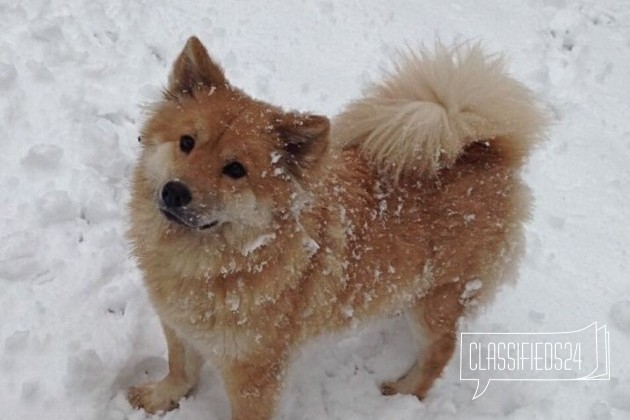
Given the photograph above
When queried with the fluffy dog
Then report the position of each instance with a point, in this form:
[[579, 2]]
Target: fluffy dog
[[258, 229]]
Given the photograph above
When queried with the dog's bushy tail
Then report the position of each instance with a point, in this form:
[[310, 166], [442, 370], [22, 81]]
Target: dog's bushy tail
[[425, 113]]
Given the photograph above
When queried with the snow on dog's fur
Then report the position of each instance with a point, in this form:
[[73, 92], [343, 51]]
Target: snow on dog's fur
[[258, 229]]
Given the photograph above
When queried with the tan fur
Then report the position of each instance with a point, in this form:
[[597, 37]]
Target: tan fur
[[316, 236], [435, 103]]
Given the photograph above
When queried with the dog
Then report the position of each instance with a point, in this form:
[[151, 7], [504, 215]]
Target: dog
[[258, 229]]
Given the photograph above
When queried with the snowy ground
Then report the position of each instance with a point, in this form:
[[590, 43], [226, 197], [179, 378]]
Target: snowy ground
[[75, 324]]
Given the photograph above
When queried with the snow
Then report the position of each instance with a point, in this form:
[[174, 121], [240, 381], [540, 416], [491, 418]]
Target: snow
[[76, 327], [620, 315], [258, 242], [275, 157]]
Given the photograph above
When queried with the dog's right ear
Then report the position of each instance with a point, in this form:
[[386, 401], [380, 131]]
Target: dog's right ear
[[194, 69]]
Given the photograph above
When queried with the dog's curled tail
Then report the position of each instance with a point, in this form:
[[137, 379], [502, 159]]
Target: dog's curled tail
[[434, 104]]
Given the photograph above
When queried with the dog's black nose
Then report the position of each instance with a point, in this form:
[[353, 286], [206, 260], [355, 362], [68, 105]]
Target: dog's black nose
[[175, 194]]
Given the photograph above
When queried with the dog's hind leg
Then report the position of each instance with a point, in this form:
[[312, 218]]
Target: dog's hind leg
[[433, 321], [184, 366]]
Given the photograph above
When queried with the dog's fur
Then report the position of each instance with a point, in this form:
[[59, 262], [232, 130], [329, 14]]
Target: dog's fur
[[411, 203]]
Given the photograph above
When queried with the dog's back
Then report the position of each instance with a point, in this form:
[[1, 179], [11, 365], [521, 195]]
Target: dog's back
[[445, 136]]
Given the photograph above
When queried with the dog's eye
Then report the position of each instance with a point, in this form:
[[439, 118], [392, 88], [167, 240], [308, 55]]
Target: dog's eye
[[186, 144], [234, 170]]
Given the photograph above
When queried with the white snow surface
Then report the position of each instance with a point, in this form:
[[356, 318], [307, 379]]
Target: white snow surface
[[76, 327]]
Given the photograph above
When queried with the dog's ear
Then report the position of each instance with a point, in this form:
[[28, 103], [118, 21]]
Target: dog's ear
[[193, 69], [303, 137]]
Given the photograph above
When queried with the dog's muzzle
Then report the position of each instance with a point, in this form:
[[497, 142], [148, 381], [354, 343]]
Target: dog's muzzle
[[174, 198]]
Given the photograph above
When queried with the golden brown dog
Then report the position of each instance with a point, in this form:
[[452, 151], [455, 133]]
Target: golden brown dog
[[258, 229]]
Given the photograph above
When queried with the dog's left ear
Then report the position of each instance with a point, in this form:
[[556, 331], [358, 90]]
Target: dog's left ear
[[304, 137], [193, 69]]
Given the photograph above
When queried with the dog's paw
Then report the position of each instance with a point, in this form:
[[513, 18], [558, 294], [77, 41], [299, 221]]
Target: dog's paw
[[154, 397], [388, 388], [401, 387]]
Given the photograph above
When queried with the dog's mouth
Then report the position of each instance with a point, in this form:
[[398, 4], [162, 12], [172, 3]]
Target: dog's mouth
[[187, 221]]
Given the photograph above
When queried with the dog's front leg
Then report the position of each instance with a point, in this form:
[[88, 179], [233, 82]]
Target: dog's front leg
[[253, 386], [184, 366]]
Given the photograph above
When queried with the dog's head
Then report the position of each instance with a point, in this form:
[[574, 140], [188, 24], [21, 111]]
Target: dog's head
[[214, 159]]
